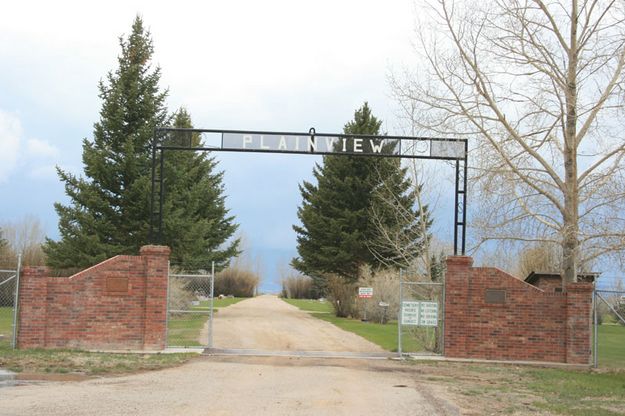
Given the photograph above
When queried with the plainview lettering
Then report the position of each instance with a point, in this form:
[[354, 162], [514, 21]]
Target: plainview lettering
[[308, 143]]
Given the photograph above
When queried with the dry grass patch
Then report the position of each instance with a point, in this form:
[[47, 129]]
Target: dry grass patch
[[84, 362], [508, 389]]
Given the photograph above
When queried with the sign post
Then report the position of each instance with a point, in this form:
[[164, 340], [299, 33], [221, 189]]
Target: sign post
[[384, 306]]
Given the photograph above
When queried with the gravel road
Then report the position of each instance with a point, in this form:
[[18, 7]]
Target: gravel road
[[218, 386], [238, 386], [268, 323]]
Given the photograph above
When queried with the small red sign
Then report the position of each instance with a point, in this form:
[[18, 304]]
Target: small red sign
[[365, 292]]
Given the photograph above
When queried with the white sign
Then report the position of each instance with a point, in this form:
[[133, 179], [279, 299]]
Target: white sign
[[310, 143], [419, 313], [450, 148], [365, 292], [409, 313], [428, 314]]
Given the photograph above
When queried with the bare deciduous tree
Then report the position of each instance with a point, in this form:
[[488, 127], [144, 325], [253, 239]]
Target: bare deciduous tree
[[542, 257], [538, 87], [411, 244], [416, 248], [25, 237]]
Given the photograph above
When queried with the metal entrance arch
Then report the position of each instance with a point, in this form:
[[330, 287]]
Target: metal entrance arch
[[310, 143]]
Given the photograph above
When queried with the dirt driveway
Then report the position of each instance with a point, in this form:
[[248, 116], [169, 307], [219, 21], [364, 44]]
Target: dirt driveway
[[212, 385], [268, 323], [239, 386]]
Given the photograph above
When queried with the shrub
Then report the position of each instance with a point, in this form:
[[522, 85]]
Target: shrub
[[385, 284], [297, 286], [180, 295], [236, 281], [342, 295]]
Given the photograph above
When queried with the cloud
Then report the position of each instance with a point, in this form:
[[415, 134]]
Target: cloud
[[41, 149], [37, 156], [44, 172], [10, 137]]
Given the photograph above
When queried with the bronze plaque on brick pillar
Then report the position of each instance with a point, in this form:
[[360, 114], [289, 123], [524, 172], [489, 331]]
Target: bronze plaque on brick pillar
[[495, 296], [117, 285]]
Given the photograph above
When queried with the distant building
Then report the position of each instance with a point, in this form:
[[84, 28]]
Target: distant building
[[553, 281]]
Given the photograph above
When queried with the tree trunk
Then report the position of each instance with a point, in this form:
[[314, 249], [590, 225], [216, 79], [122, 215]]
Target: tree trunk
[[570, 243]]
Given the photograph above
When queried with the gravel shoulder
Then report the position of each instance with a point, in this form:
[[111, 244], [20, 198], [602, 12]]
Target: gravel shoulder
[[268, 323]]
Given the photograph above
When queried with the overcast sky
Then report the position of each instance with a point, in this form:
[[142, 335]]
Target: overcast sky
[[271, 65]]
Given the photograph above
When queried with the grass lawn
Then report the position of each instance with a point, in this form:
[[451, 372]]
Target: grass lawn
[[611, 346], [310, 305], [579, 392], [6, 325], [219, 303], [83, 362], [510, 389], [384, 335], [183, 329]]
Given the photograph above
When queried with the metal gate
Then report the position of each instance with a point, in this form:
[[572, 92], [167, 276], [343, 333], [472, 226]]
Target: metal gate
[[9, 290], [609, 328], [190, 308], [420, 324]]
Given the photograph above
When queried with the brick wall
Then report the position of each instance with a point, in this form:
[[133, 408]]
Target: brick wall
[[120, 303], [530, 324]]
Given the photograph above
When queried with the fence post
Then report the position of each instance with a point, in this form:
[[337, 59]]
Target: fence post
[[443, 316], [401, 272], [16, 300], [210, 319], [167, 303], [596, 342]]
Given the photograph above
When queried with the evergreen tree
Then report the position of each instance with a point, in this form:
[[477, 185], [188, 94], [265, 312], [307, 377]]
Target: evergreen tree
[[438, 266], [196, 224], [337, 229], [109, 212]]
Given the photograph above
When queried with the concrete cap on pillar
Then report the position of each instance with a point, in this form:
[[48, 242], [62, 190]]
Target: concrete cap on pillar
[[152, 250], [460, 260]]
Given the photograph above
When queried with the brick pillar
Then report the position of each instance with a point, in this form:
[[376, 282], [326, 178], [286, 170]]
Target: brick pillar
[[156, 266], [457, 279], [578, 322], [32, 307]]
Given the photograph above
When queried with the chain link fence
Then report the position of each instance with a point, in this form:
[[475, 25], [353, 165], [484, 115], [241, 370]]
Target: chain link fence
[[421, 316], [190, 308], [609, 328], [9, 285]]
